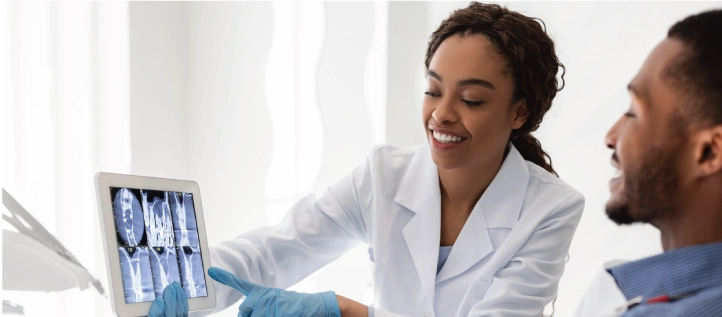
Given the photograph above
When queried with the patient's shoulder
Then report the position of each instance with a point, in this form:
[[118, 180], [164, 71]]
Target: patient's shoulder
[[707, 302]]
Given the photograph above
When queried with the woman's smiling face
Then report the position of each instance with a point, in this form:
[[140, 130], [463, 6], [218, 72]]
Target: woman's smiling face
[[468, 110]]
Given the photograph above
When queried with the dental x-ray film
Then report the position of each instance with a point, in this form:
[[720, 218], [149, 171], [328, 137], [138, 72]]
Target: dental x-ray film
[[158, 243]]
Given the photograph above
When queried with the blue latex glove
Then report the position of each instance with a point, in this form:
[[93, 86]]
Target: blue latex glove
[[173, 303], [276, 302]]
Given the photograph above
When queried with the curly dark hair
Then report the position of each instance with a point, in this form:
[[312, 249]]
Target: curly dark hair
[[531, 61]]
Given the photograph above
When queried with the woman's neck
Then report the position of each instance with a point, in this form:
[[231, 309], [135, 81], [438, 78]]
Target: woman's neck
[[461, 188]]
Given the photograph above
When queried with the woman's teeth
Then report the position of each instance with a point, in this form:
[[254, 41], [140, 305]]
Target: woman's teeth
[[444, 138]]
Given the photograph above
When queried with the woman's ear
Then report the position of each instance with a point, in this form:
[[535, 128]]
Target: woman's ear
[[708, 151], [519, 113]]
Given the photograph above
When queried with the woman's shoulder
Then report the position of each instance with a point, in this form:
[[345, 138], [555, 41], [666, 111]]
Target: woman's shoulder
[[392, 156], [391, 167], [389, 150], [554, 190], [550, 197]]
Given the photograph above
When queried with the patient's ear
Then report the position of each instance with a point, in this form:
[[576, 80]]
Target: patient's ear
[[708, 151]]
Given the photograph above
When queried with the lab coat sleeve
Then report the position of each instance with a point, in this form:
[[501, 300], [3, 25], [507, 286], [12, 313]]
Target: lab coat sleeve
[[378, 312], [530, 279], [313, 233]]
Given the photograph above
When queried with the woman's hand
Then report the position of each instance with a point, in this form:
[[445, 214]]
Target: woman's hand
[[173, 304], [264, 301]]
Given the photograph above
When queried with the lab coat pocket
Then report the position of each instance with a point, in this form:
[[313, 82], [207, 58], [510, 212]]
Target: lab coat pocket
[[481, 288], [377, 279], [375, 265]]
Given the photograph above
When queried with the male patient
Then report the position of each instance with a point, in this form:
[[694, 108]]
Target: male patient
[[668, 148]]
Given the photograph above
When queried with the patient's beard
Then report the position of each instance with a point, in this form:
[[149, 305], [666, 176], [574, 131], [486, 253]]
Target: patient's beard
[[649, 192]]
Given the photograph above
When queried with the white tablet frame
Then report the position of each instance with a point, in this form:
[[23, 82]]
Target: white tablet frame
[[103, 183]]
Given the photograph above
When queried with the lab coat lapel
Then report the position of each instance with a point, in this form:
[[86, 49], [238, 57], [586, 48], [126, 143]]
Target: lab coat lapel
[[422, 238], [498, 207], [472, 245], [419, 193]]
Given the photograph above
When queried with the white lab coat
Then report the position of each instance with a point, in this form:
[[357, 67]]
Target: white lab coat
[[603, 298], [507, 260]]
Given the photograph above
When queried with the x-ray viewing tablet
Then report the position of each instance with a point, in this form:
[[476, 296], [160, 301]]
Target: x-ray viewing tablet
[[154, 235]]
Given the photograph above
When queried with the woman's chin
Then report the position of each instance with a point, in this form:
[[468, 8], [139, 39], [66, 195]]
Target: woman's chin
[[445, 162]]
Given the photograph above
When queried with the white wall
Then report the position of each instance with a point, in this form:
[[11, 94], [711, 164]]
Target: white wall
[[198, 108], [159, 94], [229, 133], [408, 35]]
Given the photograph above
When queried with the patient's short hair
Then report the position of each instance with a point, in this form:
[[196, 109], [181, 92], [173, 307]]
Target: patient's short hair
[[698, 72]]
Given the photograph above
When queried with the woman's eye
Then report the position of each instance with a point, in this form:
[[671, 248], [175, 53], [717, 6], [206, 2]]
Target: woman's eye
[[472, 103], [629, 115], [431, 94]]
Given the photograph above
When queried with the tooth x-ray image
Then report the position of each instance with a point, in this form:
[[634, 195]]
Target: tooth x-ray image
[[137, 277], [184, 220], [158, 243], [164, 263], [156, 211], [192, 269], [128, 217]]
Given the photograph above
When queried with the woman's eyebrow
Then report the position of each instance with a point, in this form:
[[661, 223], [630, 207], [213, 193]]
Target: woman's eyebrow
[[477, 82], [463, 82], [433, 74]]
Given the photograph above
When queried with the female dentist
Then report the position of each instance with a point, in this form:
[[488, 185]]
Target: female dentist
[[474, 223]]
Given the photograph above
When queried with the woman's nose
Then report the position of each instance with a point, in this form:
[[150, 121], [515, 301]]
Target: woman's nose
[[445, 112]]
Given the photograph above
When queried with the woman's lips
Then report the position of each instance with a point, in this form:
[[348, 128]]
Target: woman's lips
[[444, 146], [445, 131]]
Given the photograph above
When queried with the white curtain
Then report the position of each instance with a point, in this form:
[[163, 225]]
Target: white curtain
[[65, 116]]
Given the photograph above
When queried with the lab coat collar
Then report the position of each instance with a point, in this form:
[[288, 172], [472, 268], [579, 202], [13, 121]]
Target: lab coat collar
[[419, 192], [500, 203], [420, 182], [499, 207], [422, 235], [502, 200], [472, 245]]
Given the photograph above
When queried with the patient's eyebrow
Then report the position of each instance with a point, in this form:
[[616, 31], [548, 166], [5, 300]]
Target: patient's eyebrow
[[641, 94]]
